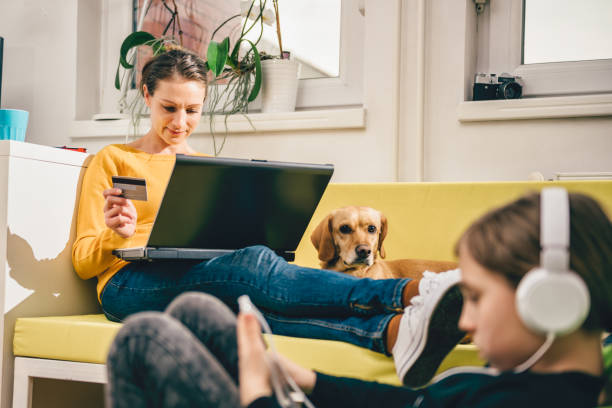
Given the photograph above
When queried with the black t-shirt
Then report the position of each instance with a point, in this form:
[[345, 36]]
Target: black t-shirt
[[524, 390]]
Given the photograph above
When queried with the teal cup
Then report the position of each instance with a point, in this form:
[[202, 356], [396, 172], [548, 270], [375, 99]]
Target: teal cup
[[13, 124]]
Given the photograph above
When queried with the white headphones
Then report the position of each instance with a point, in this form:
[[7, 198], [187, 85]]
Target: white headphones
[[552, 299]]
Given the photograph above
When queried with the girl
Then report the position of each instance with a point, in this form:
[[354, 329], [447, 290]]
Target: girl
[[495, 253], [361, 311]]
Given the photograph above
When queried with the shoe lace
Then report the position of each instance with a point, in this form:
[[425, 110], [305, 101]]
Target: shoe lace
[[416, 307], [413, 314], [429, 282]]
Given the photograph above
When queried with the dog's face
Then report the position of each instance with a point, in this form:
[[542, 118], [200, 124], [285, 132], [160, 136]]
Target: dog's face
[[350, 237]]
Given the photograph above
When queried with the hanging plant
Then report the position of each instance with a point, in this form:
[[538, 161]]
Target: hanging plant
[[241, 74], [134, 103], [235, 68]]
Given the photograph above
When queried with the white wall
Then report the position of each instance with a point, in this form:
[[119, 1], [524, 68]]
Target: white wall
[[358, 155], [496, 150], [40, 76], [40, 65]]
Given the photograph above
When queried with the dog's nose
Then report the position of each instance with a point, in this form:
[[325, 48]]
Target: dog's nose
[[363, 251]]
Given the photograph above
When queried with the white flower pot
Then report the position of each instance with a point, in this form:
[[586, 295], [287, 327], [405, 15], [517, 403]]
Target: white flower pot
[[279, 85]]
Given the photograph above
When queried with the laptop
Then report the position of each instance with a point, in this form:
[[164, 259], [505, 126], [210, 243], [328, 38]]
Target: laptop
[[213, 206]]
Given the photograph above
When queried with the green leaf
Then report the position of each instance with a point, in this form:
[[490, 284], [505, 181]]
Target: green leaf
[[217, 55], [158, 47], [607, 358], [133, 40], [117, 80], [225, 44], [234, 57], [257, 84]]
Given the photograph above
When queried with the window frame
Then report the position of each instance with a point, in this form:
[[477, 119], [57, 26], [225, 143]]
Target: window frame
[[344, 90], [500, 50], [347, 88]]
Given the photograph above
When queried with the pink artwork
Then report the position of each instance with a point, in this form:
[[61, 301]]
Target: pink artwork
[[195, 22], [190, 23]]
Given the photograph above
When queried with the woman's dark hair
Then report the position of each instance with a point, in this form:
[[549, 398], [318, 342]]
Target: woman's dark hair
[[175, 62], [506, 240]]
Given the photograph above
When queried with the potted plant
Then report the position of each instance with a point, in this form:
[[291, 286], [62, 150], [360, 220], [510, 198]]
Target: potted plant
[[280, 76], [246, 71], [236, 70]]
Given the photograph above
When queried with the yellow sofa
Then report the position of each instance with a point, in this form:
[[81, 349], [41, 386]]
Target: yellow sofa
[[425, 220]]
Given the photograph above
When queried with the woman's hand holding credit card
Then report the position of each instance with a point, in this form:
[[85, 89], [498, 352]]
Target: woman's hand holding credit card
[[120, 215], [132, 188]]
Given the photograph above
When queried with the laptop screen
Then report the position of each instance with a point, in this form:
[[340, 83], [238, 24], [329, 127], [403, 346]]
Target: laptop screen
[[219, 203]]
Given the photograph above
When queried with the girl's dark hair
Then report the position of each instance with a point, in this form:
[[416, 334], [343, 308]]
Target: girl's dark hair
[[507, 241], [175, 62]]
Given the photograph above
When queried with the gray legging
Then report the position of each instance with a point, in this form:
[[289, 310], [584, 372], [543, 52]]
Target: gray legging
[[184, 357]]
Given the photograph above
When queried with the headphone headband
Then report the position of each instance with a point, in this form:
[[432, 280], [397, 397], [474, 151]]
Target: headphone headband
[[551, 299], [554, 229]]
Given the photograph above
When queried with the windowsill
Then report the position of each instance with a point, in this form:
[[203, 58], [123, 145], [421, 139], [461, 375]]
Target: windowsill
[[536, 108], [346, 118]]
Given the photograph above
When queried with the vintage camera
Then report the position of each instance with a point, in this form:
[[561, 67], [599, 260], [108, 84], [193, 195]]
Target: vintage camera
[[491, 86]]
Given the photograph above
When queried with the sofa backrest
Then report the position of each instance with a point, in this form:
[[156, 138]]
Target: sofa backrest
[[426, 219]]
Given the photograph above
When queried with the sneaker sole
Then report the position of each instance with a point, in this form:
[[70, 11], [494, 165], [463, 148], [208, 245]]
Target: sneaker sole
[[437, 342]]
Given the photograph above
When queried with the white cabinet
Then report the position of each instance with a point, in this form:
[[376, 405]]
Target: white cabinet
[[39, 187]]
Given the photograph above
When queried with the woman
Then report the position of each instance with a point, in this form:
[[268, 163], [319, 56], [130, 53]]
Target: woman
[[495, 253], [361, 311]]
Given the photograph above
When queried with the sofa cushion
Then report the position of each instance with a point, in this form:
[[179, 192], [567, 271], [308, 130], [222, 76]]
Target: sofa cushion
[[87, 338], [347, 360], [82, 338]]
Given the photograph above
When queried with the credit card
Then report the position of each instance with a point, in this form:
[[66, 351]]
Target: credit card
[[132, 188]]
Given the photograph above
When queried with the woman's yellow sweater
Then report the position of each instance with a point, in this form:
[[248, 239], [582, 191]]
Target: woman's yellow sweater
[[91, 251]]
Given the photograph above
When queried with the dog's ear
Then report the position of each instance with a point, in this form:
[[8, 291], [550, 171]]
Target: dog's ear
[[323, 240], [382, 234]]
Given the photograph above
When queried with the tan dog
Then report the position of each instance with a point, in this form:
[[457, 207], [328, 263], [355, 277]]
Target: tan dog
[[349, 240]]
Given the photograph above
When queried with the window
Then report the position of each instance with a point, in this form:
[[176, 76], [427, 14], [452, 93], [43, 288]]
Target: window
[[575, 31], [340, 86], [556, 47]]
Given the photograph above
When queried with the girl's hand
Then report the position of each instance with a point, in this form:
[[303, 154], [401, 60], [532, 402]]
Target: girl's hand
[[253, 371], [303, 377], [119, 213], [254, 374]]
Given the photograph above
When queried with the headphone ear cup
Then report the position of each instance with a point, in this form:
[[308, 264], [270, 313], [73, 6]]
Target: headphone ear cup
[[552, 302]]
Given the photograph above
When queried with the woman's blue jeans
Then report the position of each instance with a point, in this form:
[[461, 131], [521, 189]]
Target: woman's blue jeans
[[296, 301]]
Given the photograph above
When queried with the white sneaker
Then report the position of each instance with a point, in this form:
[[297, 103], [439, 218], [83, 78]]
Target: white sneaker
[[428, 329]]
